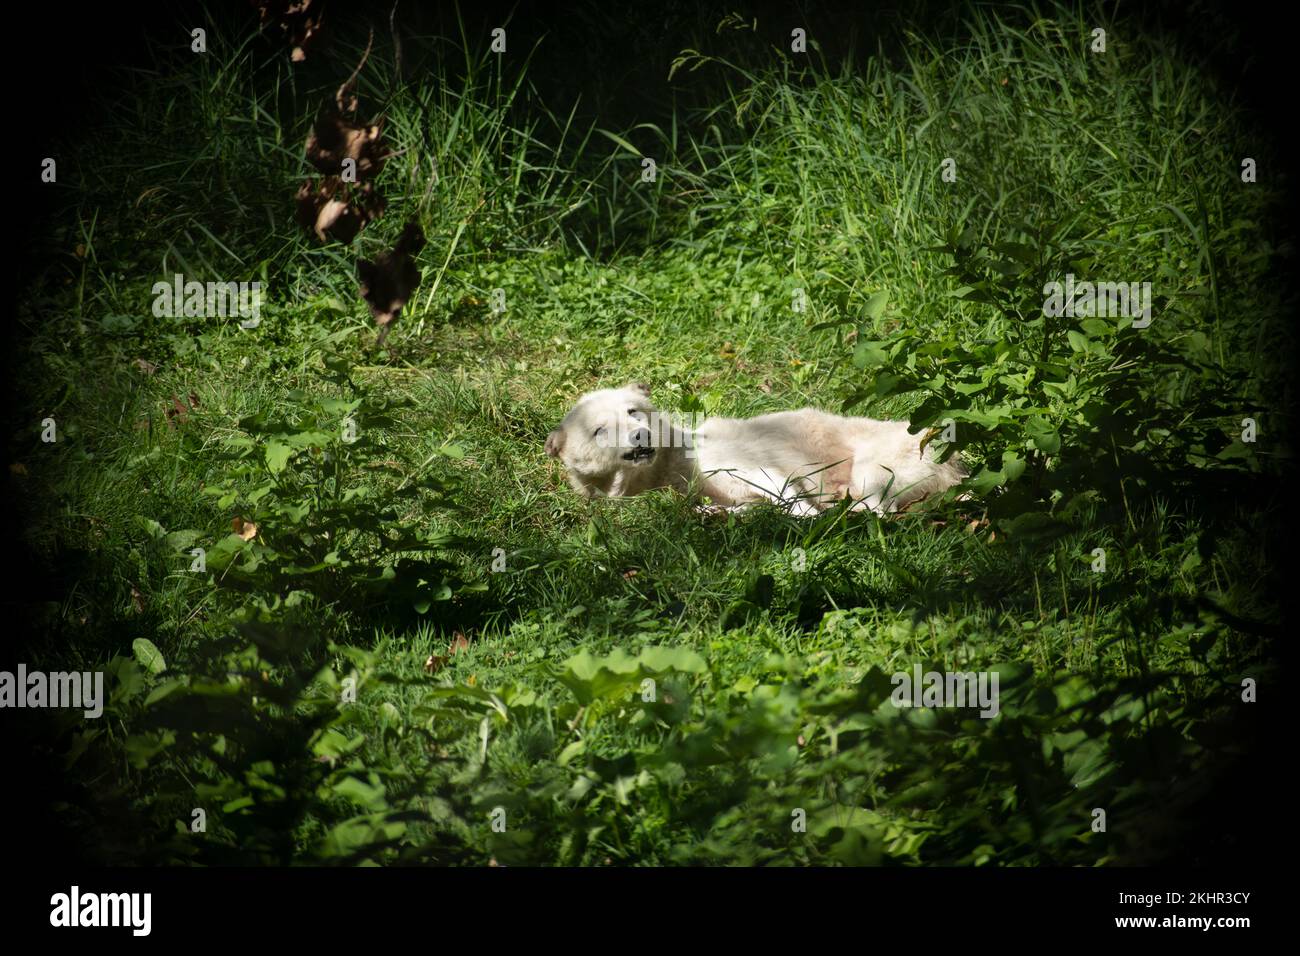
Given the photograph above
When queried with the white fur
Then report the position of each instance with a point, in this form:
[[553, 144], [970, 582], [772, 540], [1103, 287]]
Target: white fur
[[806, 459]]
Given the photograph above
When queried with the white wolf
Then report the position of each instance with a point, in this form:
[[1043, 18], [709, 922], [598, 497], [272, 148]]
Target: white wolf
[[614, 443]]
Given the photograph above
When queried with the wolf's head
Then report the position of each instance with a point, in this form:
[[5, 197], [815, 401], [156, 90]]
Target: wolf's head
[[607, 442]]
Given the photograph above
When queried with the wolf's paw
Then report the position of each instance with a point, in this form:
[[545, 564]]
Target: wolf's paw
[[711, 510]]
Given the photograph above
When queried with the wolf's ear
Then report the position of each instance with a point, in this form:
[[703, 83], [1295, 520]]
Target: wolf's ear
[[555, 443], [642, 387]]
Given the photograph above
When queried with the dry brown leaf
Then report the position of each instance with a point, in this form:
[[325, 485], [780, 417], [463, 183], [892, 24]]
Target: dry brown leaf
[[436, 662], [17, 468], [335, 138], [344, 97], [147, 367], [334, 216], [299, 20], [388, 282], [178, 412], [333, 209], [245, 529]]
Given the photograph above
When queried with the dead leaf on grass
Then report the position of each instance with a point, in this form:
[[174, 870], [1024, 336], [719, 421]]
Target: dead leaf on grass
[[300, 21], [335, 138], [390, 281], [332, 209]]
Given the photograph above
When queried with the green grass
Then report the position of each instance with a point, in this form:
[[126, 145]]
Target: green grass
[[793, 174]]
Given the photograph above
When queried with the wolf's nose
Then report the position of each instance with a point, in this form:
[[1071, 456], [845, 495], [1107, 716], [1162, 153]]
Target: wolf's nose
[[640, 438]]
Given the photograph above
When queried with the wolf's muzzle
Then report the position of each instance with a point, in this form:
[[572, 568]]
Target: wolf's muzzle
[[641, 447]]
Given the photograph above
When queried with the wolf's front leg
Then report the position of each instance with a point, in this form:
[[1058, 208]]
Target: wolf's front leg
[[802, 508]]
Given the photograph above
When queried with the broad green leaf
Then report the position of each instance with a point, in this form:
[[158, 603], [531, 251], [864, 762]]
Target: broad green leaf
[[875, 307], [869, 354], [148, 655]]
